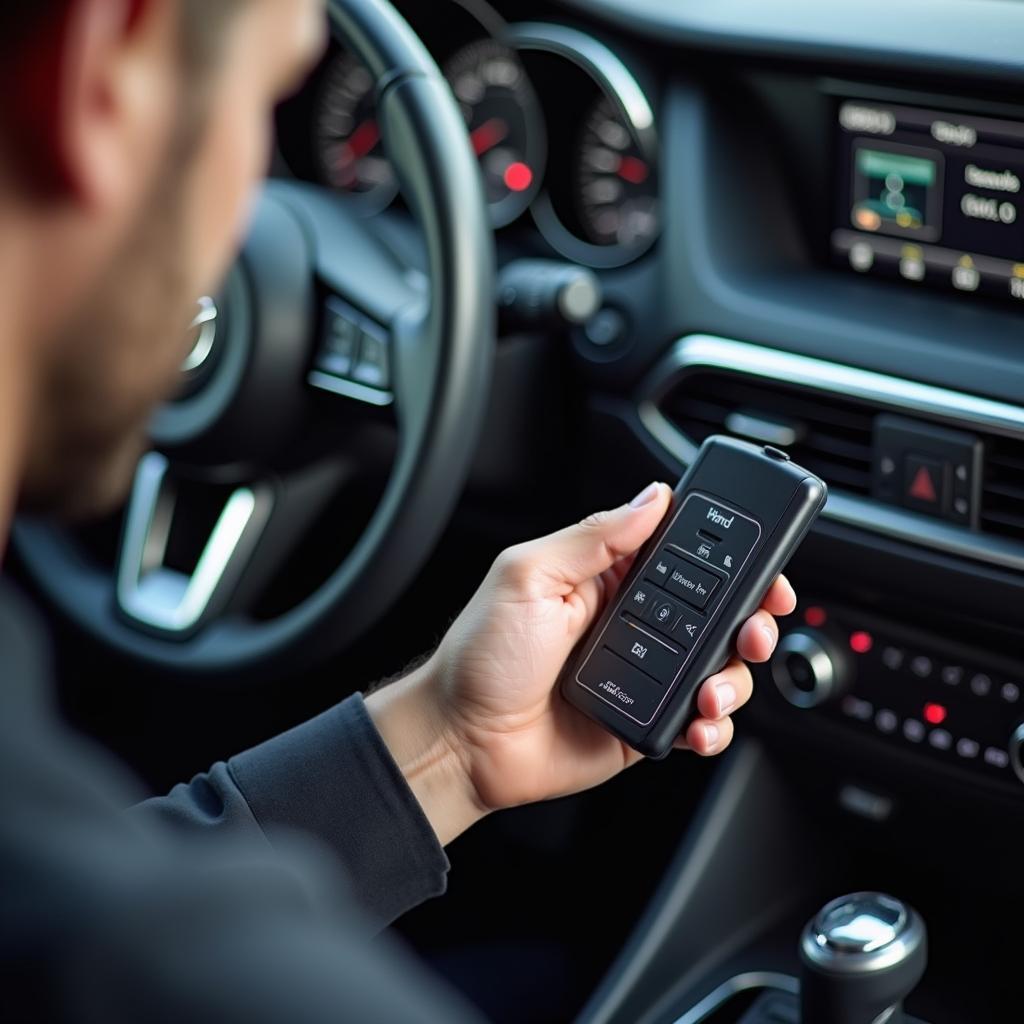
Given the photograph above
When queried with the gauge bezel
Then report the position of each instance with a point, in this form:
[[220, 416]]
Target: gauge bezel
[[513, 206], [376, 199], [617, 83]]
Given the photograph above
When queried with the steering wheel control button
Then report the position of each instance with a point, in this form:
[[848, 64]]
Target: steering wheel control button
[[373, 366], [695, 586], [353, 359], [643, 650], [341, 339], [619, 684]]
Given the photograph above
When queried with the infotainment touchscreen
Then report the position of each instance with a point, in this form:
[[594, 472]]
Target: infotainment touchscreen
[[930, 197]]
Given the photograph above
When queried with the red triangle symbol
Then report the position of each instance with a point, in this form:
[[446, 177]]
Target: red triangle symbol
[[923, 488]]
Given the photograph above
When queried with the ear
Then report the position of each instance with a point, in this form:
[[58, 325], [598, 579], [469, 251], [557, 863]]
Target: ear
[[101, 96]]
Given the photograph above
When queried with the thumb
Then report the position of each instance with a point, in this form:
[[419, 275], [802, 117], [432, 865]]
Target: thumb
[[587, 549]]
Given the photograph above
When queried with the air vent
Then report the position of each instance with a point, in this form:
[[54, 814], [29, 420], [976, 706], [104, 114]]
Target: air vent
[[1002, 498], [828, 434]]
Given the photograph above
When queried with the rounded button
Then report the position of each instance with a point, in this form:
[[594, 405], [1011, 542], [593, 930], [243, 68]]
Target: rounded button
[[804, 669], [605, 328]]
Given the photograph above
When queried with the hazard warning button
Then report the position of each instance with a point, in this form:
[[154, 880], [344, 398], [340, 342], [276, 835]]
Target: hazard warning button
[[924, 484]]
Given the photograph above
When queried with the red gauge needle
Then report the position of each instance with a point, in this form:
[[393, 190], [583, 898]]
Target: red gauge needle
[[363, 139], [487, 135], [633, 170]]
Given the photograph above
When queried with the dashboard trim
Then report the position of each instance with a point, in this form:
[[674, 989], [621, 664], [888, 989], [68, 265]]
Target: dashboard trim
[[717, 998], [892, 393], [614, 80]]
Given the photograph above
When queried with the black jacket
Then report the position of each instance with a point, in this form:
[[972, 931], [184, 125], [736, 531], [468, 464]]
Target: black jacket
[[251, 894]]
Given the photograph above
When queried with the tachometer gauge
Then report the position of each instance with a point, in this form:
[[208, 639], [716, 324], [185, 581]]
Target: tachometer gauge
[[349, 151], [616, 192], [505, 124]]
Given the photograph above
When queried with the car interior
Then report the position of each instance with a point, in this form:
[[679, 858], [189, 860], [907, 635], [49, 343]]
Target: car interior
[[512, 262]]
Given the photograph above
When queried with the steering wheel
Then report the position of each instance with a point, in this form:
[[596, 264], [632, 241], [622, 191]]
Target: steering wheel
[[321, 343]]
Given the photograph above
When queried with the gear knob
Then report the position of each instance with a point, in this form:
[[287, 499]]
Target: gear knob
[[861, 955]]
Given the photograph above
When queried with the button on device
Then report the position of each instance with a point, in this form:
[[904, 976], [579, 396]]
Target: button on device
[[664, 614], [641, 598], [689, 627], [940, 739], [643, 650], [693, 585], [621, 685], [660, 568]]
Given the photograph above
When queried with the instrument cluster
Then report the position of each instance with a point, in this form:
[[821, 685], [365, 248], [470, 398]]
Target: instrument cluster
[[561, 128]]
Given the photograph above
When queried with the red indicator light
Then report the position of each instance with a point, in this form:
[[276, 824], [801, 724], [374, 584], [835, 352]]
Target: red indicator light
[[815, 615], [860, 642], [934, 714], [518, 177]]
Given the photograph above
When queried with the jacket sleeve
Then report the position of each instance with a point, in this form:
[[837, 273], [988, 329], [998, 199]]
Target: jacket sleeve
[[334, 779]]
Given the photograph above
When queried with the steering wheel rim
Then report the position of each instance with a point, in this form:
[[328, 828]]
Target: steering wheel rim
[[449, 348]]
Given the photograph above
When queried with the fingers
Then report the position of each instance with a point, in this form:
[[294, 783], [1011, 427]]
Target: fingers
[[781, 598], [726, 691], [589, 548], [757, 637], [705, 737]]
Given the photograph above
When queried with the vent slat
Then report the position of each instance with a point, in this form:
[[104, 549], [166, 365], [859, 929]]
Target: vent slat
[[835, 437], [834, 434]]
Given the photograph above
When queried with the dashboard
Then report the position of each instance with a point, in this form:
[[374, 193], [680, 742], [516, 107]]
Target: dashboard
[[801, 239], [563, 132]]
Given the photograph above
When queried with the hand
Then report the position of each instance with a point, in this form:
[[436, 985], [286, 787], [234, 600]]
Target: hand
[[481, 726]]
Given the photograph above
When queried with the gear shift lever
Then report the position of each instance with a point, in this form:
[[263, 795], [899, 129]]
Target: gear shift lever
[[861, 956]]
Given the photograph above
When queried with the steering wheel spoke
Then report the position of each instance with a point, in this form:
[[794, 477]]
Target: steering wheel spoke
[[320, 299], [156, 595]]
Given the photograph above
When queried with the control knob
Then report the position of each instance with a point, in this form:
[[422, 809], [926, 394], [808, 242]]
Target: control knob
[[861, 955], [808, 668]]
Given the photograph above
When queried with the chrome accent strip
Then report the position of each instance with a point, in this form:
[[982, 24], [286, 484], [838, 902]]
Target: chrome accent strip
[[595, 58], [149, 592], [206, 321], [890, 393], [733, 987], [349, 388]]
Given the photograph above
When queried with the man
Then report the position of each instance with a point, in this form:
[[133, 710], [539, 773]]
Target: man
[[131, 136]]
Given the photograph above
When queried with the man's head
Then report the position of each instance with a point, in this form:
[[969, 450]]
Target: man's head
[[127, 162]]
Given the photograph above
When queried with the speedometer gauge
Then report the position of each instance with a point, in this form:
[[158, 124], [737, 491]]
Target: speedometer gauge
[[505, 124], [349, 150], [616, 194]]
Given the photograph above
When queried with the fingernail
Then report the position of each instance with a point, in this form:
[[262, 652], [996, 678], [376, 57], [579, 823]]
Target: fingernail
[[726, 696], [648, 494], [770, 634], [710, 735]]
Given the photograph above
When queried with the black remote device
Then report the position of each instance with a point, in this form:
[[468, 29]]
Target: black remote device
[[737, 516]]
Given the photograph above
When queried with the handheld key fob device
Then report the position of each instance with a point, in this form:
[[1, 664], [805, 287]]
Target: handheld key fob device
[[737, 516]]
